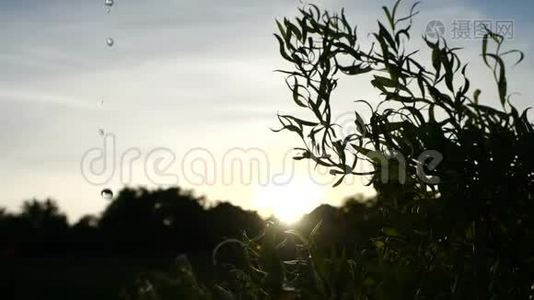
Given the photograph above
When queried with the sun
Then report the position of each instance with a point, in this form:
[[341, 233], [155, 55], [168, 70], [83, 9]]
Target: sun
[[290, 201]]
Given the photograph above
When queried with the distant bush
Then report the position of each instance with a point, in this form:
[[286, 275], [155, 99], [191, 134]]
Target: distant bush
[[100, 257]]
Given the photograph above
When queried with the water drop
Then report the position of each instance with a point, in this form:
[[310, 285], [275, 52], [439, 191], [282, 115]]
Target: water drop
[[109, 3], [110, 42], [107, 194], [101, 132]]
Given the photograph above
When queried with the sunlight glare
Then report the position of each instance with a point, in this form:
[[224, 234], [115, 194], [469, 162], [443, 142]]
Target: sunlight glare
[[288, 202]]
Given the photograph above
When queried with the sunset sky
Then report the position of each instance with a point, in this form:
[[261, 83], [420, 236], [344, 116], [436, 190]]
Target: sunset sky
[[182, 75]]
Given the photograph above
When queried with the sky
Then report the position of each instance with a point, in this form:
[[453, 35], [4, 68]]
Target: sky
[[186, 88]]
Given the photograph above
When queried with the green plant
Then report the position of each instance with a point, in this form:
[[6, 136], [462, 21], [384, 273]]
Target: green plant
[[465, 235], [279, 263]]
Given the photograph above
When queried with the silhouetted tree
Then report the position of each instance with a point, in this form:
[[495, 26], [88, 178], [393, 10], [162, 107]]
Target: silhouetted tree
[[139, 232]]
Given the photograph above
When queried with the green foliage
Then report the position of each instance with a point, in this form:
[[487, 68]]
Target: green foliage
[[265, 273], [466, 235], [469, 235], [181, 283]]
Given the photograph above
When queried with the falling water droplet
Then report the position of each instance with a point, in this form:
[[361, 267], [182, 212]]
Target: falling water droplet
[[110, 42], [101, 131], [109, 4], [107, 194]]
